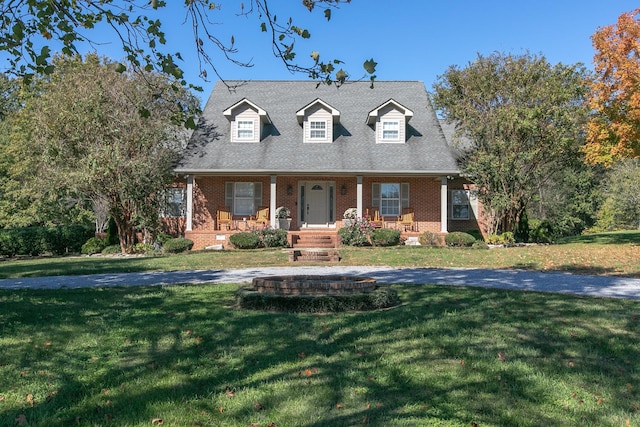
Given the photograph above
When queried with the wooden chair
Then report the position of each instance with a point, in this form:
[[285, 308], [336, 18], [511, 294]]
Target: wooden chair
[[407, 222], [223, 217], [373, 215], [262, 218]]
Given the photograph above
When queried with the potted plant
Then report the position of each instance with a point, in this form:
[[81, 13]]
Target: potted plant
[[283, 215]]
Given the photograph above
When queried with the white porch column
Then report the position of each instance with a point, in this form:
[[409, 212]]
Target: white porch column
[[189, 212], [272, 202], [359, 195], [443, 204]]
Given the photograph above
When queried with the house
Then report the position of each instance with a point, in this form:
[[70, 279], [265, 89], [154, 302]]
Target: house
[[319, 150]]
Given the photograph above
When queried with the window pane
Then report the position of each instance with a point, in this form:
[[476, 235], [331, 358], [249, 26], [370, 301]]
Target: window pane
[[318, 130], [390, 130], [390, 199], [243, 198], [459, 204], [245, 129]]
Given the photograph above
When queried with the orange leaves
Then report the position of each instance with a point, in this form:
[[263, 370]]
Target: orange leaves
[[613, 133]]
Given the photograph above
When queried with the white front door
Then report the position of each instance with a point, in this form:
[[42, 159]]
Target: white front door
[[317, 203]]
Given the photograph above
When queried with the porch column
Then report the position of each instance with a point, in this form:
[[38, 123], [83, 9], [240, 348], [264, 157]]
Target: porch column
[[272, 202], [189, 212], [359, 195], [443, 204]]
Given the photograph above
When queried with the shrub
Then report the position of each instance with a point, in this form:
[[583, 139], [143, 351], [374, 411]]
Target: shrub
[[429, 238], [38, 240], [111, 236], [508, 238], [112, 249], [541, 231], [459, 239], [385, 237], [480, 244], [162, 237], [245, 240], [476, 234], [94, 245], [272, 238], [356, 233], [177, 245], [382, 297], [143, 248], [495, 239]]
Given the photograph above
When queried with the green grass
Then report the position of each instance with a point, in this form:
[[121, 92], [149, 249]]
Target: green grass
[[600, 254], [446, 356]]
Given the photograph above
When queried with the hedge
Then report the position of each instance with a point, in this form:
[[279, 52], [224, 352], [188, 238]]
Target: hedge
[[57, 240]]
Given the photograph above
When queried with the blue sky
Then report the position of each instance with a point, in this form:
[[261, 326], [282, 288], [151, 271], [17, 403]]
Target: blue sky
[[410, 39]]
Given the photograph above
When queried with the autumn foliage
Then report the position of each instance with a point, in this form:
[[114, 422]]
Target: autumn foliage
[[613, 132]]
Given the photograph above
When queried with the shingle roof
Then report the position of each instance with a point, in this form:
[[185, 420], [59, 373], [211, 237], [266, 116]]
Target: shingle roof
[[354, 149]]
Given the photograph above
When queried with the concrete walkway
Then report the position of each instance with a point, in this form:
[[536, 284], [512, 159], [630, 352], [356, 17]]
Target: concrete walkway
[[599, 286]]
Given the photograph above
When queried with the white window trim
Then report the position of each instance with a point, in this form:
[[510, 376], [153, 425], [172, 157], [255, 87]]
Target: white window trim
[[322, 129], [175, 199], [394, 127], [252, 124]]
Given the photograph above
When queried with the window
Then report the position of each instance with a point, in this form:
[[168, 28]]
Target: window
[[245, 129], [459, 204], [174, 203], [317, 130], [243, 198], [390, 198], [390, 130]]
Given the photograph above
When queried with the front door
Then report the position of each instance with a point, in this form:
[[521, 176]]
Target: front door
[[317, 200]]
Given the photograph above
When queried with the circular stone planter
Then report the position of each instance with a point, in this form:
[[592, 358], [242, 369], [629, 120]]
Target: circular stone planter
[[316, 293]]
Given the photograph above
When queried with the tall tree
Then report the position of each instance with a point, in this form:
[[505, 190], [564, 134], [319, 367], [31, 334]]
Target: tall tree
[[104, 135], [622, 192], [521, 117], [613, 131], [27, 29]]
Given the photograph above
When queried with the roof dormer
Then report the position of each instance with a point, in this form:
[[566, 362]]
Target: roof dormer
[[390, 121], [317, 120], [247, 121]]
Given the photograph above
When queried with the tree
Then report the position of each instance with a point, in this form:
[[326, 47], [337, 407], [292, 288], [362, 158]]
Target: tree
[[29, 27], [103, 135], [613, 131], [622, 192], [521, 118]]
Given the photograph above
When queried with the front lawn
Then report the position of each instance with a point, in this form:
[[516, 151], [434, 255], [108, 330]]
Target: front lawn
[[184, 356], [600, 254]]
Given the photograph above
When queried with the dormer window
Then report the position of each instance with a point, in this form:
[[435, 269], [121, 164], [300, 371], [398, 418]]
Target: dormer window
[[318, 130], [317, 120], [391, 130], [245, 130], [247, 121], [389, 121]]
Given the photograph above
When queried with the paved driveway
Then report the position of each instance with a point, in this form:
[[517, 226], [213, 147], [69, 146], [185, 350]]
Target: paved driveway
[[600, 286]]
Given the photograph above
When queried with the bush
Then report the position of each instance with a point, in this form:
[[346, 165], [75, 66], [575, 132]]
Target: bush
[[162, 237], [94, 245], [385, 237], [357, 232], [508, 238], [112, 250], [245, 240], [480, 244], [111, 236], [177, 245], [272, 238], [429, 238], [476, 233], [38, 240], [382, 297], [143, 248], [541, 231], [495, 239], [459, 239]]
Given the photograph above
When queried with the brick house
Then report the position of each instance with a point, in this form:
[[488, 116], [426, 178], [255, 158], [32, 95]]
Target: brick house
[[319, 150]]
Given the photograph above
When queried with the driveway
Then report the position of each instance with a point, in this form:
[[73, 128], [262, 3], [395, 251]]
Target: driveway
[[522, 280]]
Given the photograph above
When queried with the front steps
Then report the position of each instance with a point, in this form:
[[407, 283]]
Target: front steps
[[313, 246]]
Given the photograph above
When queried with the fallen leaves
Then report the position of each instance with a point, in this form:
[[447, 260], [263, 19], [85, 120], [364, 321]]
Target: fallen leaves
[[502, 357], [157, 421], [21, 420]]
